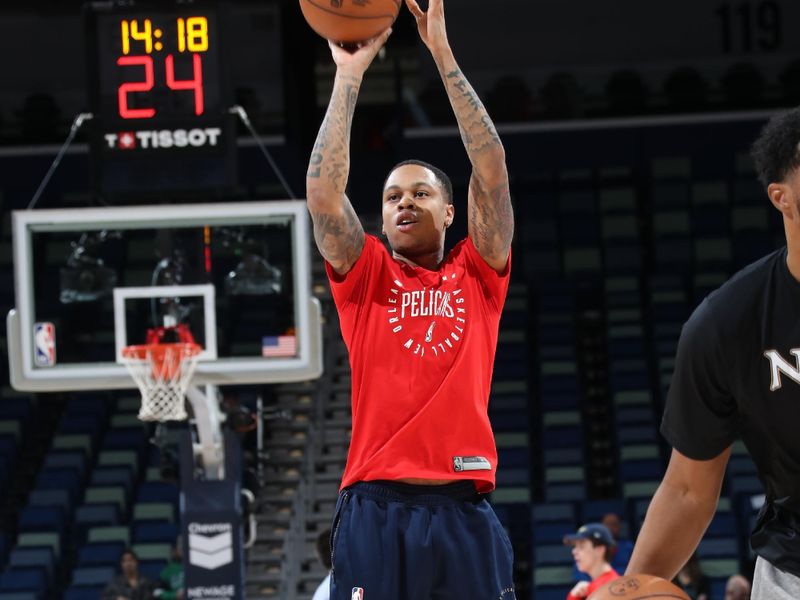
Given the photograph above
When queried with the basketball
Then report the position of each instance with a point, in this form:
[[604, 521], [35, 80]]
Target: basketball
[[349, 21], [639, 587]]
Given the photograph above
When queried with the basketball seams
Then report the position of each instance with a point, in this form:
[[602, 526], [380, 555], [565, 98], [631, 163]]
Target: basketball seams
[[389, 16]]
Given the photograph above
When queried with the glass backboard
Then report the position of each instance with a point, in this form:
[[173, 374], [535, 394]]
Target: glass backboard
[[90, 281]]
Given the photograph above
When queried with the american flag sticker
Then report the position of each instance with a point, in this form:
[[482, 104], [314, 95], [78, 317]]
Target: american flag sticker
[[278, 345], [44, 344]]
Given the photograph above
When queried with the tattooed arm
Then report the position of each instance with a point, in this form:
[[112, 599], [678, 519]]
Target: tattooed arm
[[491, 217], [337, 230]]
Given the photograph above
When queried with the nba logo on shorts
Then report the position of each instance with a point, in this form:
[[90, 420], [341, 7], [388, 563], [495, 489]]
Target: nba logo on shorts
[[358, 594], [44, 344]]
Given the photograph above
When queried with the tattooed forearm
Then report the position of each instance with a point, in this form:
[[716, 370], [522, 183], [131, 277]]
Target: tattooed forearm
[[491, 217], [339, 237], [330, 157], [337, 230], [491, 221], [477, 130]]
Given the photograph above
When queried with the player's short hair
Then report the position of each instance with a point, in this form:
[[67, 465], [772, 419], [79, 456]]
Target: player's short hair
[[610, 551], [441, 176], [776, 152], [129, 552]]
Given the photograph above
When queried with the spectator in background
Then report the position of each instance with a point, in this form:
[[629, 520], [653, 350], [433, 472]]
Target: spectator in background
[[592, 547], [737, 588], [129, 585], [623, 547], [620, 553], [171, 576], [693, 581], [324, 554]]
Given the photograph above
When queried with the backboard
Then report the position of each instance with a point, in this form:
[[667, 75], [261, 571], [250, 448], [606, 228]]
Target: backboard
[[90, 281]]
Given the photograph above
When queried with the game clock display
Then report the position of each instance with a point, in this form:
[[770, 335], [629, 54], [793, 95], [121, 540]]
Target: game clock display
[[159, 97]]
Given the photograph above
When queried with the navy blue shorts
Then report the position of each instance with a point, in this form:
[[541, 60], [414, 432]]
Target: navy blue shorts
[[393, 541]]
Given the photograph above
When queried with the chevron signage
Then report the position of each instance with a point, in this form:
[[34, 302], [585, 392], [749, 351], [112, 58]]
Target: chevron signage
[[211, 523], [210, 545]]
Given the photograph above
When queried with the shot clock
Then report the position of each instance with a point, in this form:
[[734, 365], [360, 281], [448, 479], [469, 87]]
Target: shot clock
[[160, 98]]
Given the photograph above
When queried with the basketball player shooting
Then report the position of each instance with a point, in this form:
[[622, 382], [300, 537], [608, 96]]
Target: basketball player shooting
[[421, 330], [737, 373]]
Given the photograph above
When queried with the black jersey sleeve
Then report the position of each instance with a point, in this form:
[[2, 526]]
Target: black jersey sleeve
[[700, 417]]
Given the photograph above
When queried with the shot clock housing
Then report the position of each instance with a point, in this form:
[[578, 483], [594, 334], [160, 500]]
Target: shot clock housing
[[160, 96]]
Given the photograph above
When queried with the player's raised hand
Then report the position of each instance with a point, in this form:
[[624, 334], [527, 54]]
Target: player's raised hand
[[430, 23], [357, 60]]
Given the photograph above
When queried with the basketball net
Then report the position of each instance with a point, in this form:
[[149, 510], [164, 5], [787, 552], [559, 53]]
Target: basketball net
[[163, 371]]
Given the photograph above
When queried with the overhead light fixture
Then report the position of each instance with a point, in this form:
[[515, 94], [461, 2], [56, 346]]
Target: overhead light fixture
[[253, 276], [85, 278]]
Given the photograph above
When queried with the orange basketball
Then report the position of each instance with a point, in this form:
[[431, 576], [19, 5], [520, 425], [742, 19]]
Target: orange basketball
[[639, 587], [350, 21]]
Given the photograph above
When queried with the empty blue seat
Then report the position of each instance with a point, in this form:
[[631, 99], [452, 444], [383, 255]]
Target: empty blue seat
[[560, 512], [722, 547], [641, 470], [154, 532], [90, 515], [550, 593], [83, 592], [19, 408], [113, 476], [4, 547], [24, 580], [636, 435], [126, 439], [152, 568], [158, 491], [512, 477], [92, 576], [551, 533], [51, 498], [570, 492], [97, 406], [67, 479], [745, 485], [80, 423], [552, 554], [514, 457], [101, 554], [562, 437], [563, 456], [41, 518], [593, 511], [506, 421], [42, 558], [722, 525], [66, 459], [8, 445]]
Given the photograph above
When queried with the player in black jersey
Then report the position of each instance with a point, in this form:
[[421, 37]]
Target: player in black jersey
[[737, 373]]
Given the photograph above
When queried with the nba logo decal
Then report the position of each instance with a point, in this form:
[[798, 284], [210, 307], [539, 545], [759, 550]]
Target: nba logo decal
[[358, 594], [44, 344]]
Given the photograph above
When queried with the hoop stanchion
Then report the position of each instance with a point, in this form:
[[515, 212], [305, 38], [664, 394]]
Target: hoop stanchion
[[163, 373]]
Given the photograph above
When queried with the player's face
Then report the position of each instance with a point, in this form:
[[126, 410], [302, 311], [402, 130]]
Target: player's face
[[786, 198], [129, 564], [415, 211], [587, 557], [794, 190]]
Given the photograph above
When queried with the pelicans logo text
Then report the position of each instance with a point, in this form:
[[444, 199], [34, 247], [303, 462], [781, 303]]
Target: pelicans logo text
[[428, 321]]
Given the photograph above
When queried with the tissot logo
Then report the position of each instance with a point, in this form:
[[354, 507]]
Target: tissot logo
[[780, 367], [210, 545], [164, 138]]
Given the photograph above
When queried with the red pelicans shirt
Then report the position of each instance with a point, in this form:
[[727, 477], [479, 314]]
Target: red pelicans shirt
[[422, 346]]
